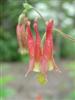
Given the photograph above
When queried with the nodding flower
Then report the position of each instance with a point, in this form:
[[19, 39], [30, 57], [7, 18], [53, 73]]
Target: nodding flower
[[31, 48], [41, 58], [22, 36]]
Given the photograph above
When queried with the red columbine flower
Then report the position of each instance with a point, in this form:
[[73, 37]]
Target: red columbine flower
[[38, 51], [22, 36], [46, 62], [31, 48], [41, 60]]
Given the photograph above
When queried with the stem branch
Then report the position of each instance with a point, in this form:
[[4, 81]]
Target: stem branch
[[39, 14], [65, 35], [61, 33]]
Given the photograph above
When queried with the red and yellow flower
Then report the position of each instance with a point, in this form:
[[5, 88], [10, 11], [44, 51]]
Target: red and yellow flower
[[41, 58], [22, 35]]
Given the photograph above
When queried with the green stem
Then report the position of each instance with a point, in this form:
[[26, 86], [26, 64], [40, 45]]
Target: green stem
[[28, 7], [42, 41], [65, 35], [61, 33], [43, 38], [39, 14]]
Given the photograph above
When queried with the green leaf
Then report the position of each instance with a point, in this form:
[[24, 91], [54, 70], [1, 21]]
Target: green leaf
[[5, 92], [71, 96], [5, 79], [71, 65], [25, 58]]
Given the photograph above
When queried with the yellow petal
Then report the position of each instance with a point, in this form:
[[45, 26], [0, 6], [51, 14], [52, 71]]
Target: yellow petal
[[36, 67]]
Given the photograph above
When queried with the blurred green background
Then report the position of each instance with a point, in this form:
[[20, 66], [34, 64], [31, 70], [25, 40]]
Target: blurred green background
[[63, 13]]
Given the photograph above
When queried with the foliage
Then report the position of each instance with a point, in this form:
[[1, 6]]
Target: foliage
[[8, 46], [4, 80], [71, 65], [71, 96], [4, 92], [25, 58]]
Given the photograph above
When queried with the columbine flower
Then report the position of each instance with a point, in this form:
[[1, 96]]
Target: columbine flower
[[22, 34], [38, 49], [47, 61], [41, 59], [34, 49], [41, 56], [31, 47]]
